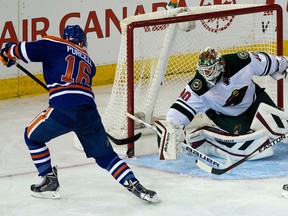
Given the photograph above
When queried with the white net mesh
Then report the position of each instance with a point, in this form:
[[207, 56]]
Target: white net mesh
[[165, 59]]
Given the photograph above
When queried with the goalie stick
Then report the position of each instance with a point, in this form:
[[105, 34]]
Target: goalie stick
[[189, 149], [113, 139], [262, 148]]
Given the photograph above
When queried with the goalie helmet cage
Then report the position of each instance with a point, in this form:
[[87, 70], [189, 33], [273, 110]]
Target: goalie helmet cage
[[157, 58]]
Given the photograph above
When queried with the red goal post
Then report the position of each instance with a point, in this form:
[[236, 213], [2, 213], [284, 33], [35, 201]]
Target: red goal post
[[157, 59]]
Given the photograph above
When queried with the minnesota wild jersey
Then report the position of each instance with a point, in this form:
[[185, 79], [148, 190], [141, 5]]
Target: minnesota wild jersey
[[233, 93]]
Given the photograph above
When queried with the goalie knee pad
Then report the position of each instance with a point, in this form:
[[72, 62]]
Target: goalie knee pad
[[170, 136], [275, 121], [213, 141]]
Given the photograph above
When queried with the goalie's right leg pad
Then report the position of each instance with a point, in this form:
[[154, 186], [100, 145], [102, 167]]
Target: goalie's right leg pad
[[213, 141]]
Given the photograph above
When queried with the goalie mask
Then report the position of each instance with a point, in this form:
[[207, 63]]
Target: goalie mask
[[75, 34], [210, 65]]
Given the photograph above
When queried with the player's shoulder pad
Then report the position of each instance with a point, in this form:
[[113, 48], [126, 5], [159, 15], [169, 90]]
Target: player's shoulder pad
[[198, 84], [234, 62]]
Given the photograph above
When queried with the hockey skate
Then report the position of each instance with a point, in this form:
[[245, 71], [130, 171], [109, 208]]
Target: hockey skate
[[141, 192], [285, 191], [48, 188]]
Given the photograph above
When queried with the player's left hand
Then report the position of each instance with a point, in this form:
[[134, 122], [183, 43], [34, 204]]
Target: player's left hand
[[4, 57]]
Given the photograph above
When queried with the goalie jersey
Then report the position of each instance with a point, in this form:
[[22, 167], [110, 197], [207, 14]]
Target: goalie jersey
[[232, 94], [72, 73]]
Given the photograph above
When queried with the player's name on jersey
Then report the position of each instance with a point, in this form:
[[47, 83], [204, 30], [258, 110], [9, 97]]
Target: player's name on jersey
[[82, 55]]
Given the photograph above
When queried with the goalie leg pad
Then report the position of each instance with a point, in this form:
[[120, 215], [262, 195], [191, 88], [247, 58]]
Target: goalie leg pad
[[170, 136], [219, 143], [197, 140], [275, 121]]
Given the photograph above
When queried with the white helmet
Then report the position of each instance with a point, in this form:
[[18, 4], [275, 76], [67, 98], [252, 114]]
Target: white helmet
[[210, 65]]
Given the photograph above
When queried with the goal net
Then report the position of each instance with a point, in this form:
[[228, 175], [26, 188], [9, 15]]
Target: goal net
[[157, 57]]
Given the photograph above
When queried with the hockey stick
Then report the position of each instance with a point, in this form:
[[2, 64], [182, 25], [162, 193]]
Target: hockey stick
[[124, 141], [113, 139], [189, 149], [260, 149], [142, 122], [31, 76]]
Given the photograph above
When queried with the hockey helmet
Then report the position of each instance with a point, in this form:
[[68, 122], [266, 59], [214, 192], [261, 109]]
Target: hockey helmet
[[210, 65], [75, 34]]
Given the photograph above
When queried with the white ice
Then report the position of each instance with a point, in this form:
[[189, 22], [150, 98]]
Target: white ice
[[88, 190]]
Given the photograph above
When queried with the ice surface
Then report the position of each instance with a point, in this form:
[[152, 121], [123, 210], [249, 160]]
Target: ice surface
[[252, 189]]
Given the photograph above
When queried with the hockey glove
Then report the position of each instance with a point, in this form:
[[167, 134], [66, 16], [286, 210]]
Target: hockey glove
[[169, 136], [4, 57]]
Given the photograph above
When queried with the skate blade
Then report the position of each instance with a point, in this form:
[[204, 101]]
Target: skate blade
[[153, 199], [285, 194], [46, 195]]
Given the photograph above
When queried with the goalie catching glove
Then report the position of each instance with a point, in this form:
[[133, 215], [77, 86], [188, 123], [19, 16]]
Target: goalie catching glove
[[282, 68], [170, 137]]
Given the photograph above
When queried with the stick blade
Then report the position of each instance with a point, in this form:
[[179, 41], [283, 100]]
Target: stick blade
[[203, 166], [215, 171], [126, 140]]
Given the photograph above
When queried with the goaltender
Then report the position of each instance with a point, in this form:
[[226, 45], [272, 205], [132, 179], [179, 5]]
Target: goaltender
[[244, 115]]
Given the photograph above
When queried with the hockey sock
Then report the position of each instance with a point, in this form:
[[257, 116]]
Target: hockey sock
[[116, 167], [40, 155]]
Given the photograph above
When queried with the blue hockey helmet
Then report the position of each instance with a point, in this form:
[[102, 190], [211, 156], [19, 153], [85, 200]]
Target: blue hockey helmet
[[75, 34]]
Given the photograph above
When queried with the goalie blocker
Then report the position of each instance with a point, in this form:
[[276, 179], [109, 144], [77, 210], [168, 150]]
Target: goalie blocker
[[170, 136]]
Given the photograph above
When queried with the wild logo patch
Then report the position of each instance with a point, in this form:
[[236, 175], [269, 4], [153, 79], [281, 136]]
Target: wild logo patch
[[196, 85], [243, 55], [236, 97]]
